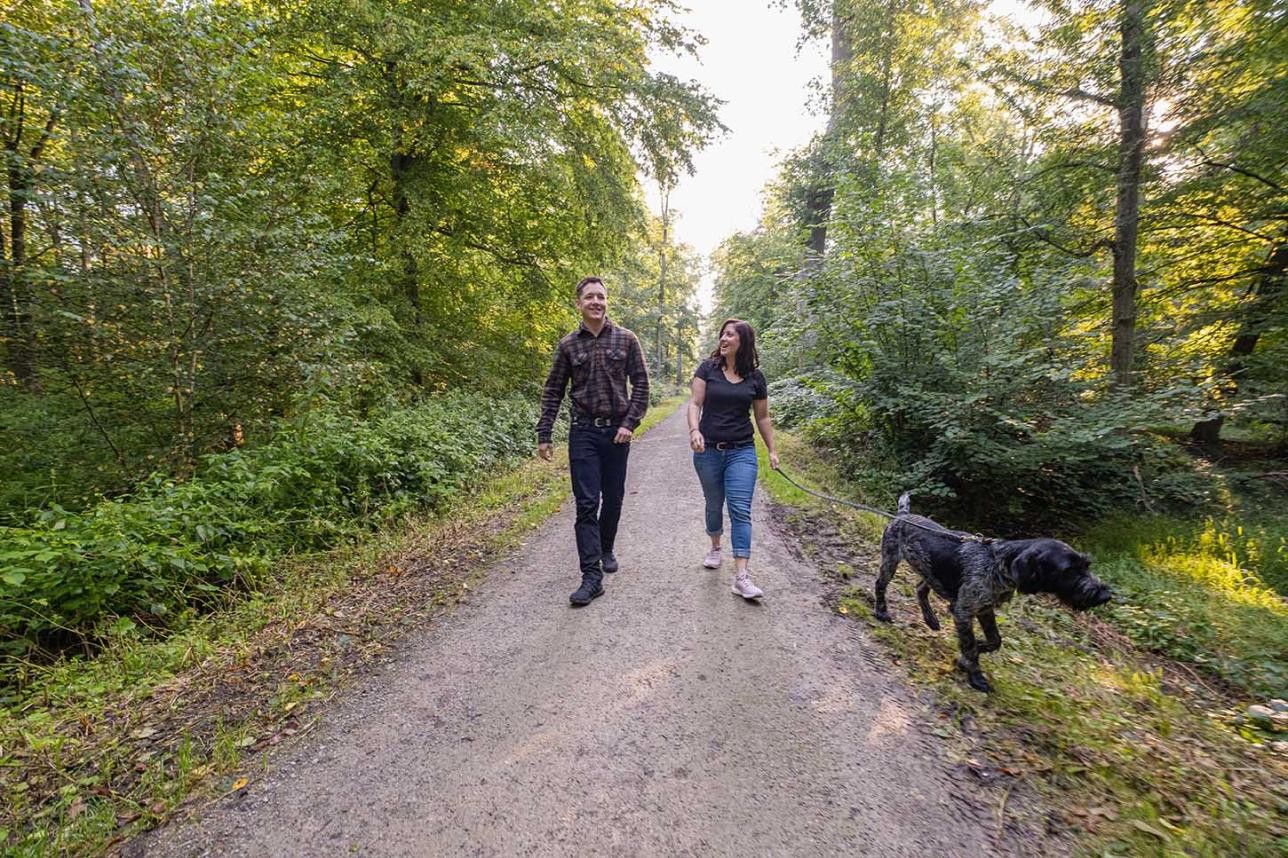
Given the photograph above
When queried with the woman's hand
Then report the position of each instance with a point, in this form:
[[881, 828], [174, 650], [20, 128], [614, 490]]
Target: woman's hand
[[696, 442], [773, 460]]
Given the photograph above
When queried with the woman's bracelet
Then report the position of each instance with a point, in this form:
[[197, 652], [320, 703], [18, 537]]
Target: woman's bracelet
[[691, 431]]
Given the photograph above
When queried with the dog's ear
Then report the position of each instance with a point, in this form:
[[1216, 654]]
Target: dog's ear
[[1025, 568]]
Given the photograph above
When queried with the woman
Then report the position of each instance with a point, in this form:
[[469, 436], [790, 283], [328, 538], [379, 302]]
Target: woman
[[727, 388]]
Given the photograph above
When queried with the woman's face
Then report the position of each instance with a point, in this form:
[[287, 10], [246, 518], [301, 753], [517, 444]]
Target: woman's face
[[729, 341]]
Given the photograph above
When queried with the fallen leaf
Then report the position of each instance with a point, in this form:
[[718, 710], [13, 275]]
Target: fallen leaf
[[240, 783], [1149, 829]]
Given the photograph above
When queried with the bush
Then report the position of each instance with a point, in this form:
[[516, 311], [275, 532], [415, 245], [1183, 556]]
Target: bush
[[969, 386], [174, 545], [799, 399]]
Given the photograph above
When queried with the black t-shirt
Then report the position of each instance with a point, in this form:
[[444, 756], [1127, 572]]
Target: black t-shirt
[[726, 411]]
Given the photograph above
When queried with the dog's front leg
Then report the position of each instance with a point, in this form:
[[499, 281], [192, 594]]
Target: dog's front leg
[[992, 637], [927, 612], [969, 658], [890, 557]]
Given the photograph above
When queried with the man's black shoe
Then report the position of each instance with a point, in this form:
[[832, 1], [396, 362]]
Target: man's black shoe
[[589, 589], [609, 563]]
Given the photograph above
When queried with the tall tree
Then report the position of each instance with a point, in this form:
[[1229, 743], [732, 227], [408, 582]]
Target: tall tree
[[1133, 84], [34, 97]]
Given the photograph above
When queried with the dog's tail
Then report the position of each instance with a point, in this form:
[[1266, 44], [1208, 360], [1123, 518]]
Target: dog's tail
[[905, 504]]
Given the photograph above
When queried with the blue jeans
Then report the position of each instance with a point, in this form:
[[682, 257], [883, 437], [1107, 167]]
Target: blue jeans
[[728, 476]]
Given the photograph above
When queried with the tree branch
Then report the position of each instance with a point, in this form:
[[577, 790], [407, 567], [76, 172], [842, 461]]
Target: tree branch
[[1074, 92], [1241, 171], [1070, 165], [1044, 235], [47, 132]]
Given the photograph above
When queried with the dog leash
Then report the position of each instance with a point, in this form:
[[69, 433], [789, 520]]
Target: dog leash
[[961, 537]]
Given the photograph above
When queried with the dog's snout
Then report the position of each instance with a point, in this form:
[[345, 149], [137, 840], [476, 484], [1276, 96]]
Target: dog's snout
[[1100, 596]]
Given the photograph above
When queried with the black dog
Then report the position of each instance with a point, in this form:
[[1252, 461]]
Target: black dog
[[976, 575]]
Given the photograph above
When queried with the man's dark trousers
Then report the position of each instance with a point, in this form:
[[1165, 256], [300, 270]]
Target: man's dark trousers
[[598, 467]]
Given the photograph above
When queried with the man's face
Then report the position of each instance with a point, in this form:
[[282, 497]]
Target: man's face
[[593, 303]]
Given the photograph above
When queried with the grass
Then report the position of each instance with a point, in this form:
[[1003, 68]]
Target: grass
[[1206, 592], [1131, 728], [96, 750]]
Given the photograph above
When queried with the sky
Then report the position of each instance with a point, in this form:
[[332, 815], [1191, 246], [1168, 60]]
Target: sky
[[750, 61]]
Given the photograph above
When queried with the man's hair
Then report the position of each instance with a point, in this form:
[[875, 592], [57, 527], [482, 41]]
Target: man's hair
[[586, 281]]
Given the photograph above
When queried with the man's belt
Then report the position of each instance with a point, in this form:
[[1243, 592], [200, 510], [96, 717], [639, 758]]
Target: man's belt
[[581, 419]]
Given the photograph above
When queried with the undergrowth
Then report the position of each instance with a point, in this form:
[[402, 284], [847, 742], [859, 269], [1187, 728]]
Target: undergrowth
[[174, 549]]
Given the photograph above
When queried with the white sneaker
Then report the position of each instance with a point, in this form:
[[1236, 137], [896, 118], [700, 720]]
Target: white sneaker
[[742, 586], [712, 560]]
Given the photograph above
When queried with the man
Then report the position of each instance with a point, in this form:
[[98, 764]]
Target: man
[[599, 357]]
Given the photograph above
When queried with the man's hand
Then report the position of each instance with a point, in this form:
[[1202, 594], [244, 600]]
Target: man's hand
[[623, 435], [545, 450]]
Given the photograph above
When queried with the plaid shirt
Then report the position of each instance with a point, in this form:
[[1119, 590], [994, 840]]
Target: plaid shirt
[[599, 367]]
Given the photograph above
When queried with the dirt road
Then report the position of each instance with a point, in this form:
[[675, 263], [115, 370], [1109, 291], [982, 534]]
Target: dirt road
[[669, 717]]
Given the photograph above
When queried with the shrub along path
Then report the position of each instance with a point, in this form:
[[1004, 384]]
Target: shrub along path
[[669, 717]]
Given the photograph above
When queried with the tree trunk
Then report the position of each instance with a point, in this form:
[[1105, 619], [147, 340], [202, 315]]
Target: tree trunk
[[661, 278], [820, 197], [17, 327], [1131, 156], [400, 164], [15, 290], [1269, 291]]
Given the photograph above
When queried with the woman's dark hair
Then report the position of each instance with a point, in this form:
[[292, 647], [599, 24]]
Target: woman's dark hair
[[748, 360]]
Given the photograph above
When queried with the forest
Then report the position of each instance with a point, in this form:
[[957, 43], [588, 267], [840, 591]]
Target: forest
[[278, 277], [264, 265], [1035, 271], [1038, 264]]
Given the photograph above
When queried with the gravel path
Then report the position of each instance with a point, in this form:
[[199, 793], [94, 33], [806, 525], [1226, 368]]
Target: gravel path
[[669, 717]]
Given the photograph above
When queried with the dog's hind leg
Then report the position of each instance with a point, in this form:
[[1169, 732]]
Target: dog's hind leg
[[968, 660], [927, 612], [890, 556], [992, 637]]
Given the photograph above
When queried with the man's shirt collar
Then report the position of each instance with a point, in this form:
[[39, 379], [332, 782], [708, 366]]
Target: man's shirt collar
[[608, 323]]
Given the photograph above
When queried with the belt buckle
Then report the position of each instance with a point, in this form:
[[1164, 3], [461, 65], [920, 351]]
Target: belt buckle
[[724, 445], [602, 422]]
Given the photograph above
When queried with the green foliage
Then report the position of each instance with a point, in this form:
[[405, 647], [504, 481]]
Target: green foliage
[[967, 387], [954, 318], [174, 546], [1210, 593], [801, 400], [349, 200]]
